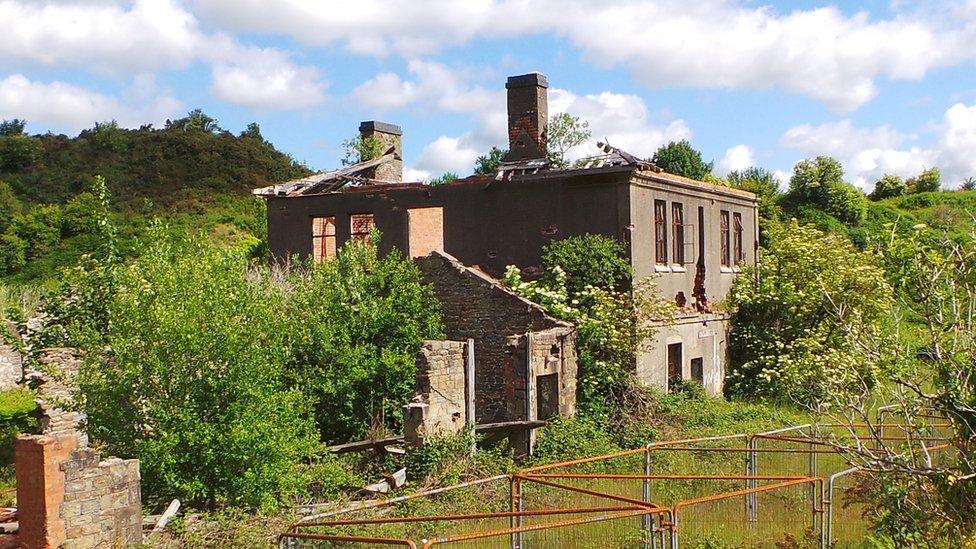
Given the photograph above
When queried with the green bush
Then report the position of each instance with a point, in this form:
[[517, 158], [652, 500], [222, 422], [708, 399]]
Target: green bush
[[19, 151], [680, 158], [40, 228], [13, 253], [588, 260], [565, 439], [16, 406], [819, 183]]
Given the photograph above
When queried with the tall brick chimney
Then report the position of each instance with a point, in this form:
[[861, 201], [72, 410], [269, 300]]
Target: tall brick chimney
[[391, 136], [528, 115]]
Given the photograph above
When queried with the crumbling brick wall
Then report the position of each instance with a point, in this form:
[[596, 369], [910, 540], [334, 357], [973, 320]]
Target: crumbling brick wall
[[439, 407], [66, 495], [476, 306]]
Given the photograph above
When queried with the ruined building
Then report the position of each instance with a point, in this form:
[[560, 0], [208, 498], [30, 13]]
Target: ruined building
[[694, 236]]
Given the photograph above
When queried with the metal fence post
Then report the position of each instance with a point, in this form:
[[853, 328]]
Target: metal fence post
[[752, 466], [647, 521]]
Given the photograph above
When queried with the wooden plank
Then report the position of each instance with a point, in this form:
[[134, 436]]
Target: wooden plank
[[365, 444]]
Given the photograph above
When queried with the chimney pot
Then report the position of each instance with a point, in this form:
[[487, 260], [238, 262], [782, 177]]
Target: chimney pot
[[391, 136], [528, 116]]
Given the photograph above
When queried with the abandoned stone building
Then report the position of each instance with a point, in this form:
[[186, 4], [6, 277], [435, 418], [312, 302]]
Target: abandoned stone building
[[692, 236]]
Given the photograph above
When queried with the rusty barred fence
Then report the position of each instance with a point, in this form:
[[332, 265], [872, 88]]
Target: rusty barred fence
[[790, 485]]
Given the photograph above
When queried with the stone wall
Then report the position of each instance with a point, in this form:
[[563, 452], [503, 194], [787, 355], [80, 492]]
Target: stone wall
[[11, 361], [478, 307], [439, 406]]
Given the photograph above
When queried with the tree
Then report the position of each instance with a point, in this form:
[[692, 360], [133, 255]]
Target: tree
[[13, 253], [969, 184], [588, 260], [888, 186], [819, 183], [19, 151], [444, 178], [357, 323], [10, 205], [109, 136], [564, 132], [928, 181], [12, 127], [253, 131], [783, 343], [195, 120], [764, 184], [360, 149], [679, 158], [487, 164]]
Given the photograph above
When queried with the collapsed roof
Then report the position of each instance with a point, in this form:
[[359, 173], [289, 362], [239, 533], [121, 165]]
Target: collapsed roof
[[325, 182]]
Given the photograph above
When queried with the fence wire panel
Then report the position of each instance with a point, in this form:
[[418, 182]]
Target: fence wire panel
[[846, 503]]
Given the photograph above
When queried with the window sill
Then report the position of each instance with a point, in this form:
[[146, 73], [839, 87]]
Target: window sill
[[727, 270], [678, 269], [662, 268]]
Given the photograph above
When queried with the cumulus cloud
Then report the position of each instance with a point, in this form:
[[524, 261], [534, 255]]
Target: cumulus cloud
[[821, 53], [738, 157], [149, 35], [72, 108], [869, 153]]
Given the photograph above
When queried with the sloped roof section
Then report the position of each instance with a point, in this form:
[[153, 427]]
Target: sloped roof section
[[325, 182]]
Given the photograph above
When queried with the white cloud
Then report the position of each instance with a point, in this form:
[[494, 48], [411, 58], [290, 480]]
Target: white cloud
[[738, 157], [267, 79], [821, 53], [867, 154], [72, 108], [448, 154]]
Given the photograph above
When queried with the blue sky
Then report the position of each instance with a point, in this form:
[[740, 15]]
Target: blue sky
[[885, 86]]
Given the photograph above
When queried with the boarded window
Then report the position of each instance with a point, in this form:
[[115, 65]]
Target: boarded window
[[675, 363], [426, 230], [660, 232], [678, 232], [724, 239], [323, 238], [698, 369], [360, 226], [738, 252]]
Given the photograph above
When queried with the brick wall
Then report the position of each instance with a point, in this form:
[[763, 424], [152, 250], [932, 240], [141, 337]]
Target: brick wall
[[476, 306], [439, 405]]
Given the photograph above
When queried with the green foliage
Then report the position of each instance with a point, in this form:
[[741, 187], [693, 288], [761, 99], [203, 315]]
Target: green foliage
[[9, 205], [253, 131], [444, 178], [487, 164], [564, 439], [357, 323], [928, 181], [109, 137], [819, 183], [15, 126], [969, 184], [16, 406], [564, 132], [887, 187], [588, 260], [680, 158], [764, 184], [13, 253], [18, 152], [40, 228], [195, 121], [438, 452], [362, 148], [786, 341], [195, 384]]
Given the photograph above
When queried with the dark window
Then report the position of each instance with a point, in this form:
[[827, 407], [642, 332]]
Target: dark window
[[660, 232], [698, 370], [674, 365], [547, 403], [360, 226], [738, 252], [724, 239], [678, 232], [323, 238]]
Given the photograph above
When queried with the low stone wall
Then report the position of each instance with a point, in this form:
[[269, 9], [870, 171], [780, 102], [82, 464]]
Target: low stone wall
[[439, 405]]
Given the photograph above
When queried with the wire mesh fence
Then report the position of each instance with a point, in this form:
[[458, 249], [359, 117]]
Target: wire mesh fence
[[788, 487]]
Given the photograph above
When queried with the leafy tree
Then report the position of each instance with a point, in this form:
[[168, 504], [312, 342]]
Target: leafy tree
[[929, 180], [12, 127], [445, 177], [969, 184], [764, 184], [360, 149], [357, 323], [680, 158], [819, 183], [13, 253], [253, 131], [9, 205], [784, 343], [487, 164], [195, 121], [109, 136], [19, 151], [565, 131], [887, 187], [588, 260], [40, 228]]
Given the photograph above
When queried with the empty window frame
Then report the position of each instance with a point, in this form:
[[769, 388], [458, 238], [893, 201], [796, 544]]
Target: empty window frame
[[738, 253], [360, 226], [323, 238], [660, 232], [678, 233], [698, 369], [724, 238]]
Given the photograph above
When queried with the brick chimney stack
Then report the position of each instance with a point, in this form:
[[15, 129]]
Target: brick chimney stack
[[391, 136], [528, 115]]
